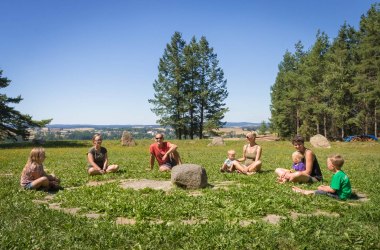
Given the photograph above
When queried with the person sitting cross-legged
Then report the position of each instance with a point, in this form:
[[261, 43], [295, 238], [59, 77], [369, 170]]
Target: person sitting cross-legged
[[165, 153]]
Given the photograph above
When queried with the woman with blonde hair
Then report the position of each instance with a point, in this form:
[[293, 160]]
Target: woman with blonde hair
[[33, 175], [252, 154]]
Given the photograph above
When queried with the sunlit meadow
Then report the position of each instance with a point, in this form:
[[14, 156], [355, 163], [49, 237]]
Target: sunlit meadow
[[232, 213]]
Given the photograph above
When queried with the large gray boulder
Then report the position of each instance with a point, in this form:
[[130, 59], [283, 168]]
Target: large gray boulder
[[319, 141], [190, 176]]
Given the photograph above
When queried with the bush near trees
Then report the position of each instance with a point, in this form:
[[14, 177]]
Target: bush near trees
[[334, 88], [13, 124], [190, 88]]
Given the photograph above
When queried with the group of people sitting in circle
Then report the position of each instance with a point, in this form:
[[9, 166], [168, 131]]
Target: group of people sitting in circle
[[305, 167]]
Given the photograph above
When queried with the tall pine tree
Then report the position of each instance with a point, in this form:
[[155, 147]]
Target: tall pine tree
[[368, 70], [169, 103], [339, 78], [190, 88], [212, 89]]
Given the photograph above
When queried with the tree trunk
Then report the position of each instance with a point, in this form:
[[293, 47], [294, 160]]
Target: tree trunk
[[201, 122], [317, 127], [375, 119], [298, 121]]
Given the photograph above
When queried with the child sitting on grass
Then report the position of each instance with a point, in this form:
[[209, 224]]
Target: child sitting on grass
[[298, 165], [340, 186], [231, 164], [33, 175]]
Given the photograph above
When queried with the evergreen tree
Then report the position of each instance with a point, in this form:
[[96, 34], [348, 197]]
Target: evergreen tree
[[281, 119], [212, 89], [314, 114], [367, 91], [190, 88], [287, 94], [169, 101], [12, 122], [339, 78], [263, 128], [334, 87], [191, 92]]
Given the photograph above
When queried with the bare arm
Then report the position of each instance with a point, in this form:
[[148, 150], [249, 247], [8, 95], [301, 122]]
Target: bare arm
[[172, 148], [105, 165], [309, 162], [243, 158], [258, 154], [151, 161], [90, 159]]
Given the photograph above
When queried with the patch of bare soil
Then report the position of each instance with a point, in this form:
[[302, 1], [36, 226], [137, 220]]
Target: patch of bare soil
[[141, 184], [295, 215], [194, 221], [273, 218], [125, 221], [98, 183], [6, 175], [246, 223], [57, 206], [93, 215]]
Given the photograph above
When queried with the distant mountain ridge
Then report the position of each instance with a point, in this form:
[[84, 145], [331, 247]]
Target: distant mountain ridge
[[242, 124], [68, 126]]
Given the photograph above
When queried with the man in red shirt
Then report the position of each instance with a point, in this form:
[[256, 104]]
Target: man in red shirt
[[165, 153]]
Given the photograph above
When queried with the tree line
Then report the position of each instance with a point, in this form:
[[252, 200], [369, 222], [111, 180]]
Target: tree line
[[334, 87], [190, 88]]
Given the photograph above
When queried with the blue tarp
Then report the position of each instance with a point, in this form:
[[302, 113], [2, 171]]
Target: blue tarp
[[360, 137]]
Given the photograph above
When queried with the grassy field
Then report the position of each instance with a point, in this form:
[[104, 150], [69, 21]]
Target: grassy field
[[230, 214]]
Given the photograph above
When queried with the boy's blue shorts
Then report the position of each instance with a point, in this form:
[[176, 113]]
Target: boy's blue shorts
[[28, 186]]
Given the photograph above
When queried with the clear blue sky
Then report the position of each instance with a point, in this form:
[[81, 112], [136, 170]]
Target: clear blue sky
[[94, 62]]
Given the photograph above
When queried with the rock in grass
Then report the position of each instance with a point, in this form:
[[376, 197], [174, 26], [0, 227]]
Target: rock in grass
[[127, 139], [319, 141], [190, 176], [217, 141]]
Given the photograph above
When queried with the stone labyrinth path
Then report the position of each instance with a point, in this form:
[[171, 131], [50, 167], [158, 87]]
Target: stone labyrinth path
[[166, 186]]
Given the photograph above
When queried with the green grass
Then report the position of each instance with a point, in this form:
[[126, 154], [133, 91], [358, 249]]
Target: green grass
[[219, 216]]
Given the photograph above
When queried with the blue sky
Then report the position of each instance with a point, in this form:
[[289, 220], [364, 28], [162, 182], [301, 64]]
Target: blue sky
[[94, 62]]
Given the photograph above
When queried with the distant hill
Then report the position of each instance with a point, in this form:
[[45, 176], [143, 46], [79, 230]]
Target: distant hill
[[68, 126], [242, 124]]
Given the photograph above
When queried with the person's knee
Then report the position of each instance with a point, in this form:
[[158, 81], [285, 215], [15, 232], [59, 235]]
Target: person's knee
[[113, 168], [93, 171]]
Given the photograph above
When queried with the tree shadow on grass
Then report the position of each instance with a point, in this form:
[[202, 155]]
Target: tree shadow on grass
[[47, 144]]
